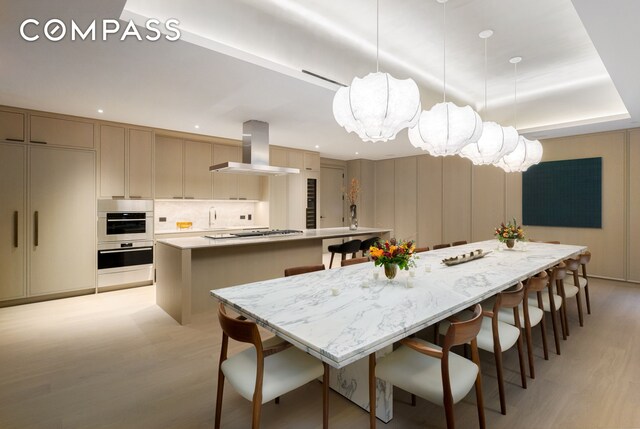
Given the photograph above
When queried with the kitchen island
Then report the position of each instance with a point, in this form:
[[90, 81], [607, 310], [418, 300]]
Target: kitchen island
[[188, 268]]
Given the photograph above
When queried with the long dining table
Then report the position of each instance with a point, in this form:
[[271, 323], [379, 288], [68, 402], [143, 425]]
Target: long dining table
[[343, 316]]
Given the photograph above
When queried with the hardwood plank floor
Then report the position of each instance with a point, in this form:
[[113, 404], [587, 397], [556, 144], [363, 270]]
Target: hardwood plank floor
[[115, 360]]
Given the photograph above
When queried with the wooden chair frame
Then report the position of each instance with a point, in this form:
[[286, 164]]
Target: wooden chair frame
[[556, 274], [354, 261], [441, 246], [585, 258], [294, 271], [535, 284], [573, 267], [507, 299], [458, 243], [244, 331], [421, 249]]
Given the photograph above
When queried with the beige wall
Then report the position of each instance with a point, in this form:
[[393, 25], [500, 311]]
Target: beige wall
[[457, 201]]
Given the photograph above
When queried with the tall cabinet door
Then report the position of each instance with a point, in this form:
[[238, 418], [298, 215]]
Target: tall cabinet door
[[140, 164], [225, 185], [12, 226], [197, 178], [168, 167], [62, 220]]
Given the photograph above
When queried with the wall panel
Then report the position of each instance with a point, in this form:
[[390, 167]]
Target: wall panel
[[405, 198], [429, 204], [634, 205], [385, 189], [456, 190], [488, 201]]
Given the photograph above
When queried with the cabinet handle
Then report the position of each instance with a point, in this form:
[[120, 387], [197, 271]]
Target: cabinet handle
[[15, 229], [177, 198], [243, 198], [37, 142], [35, 228], [308, 168], [135, 197], [14, 140], [117, 197], [189, 198]]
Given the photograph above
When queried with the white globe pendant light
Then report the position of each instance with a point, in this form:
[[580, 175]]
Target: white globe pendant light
[[377, 106], [446, 128], [496, 140], [534, 154]]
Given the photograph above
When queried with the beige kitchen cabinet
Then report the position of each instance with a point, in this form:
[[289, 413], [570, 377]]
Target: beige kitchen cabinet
[[295, 159], [125, 166], [11, 126], [112, 162], [197, 178], [278, 156], [278, 202], [249, 187], [140, 164], [168, 167], [13, 246], [311, 161], [225, 185], [62, 132]]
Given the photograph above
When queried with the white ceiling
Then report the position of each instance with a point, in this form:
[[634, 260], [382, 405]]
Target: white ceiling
[[242, 59]]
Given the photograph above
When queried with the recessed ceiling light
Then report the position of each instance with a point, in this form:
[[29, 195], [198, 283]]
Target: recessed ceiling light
[[317, 147], [100, 111], [357, 153], [197, 126]]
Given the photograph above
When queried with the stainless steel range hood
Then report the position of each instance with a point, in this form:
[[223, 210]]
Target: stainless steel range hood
[[255, 154]]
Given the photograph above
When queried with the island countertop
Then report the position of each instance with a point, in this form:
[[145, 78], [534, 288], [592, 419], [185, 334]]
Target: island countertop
[[308, 234]]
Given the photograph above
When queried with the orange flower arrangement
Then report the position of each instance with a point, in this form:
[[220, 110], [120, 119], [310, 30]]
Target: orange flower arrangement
[[393, 252], [510, 231]]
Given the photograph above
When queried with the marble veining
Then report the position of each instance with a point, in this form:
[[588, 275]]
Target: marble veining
[[366, 314]]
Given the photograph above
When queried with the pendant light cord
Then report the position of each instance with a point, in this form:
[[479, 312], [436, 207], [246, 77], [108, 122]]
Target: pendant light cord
[[485, 76], [515, 95], [444, 52], [377, 36]]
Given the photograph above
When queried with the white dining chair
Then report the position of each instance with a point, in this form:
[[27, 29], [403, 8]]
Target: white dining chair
[[433, 373], [265, 371]]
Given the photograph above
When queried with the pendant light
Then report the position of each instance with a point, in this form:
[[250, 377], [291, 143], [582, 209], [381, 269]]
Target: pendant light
[[446, 128], [377, 106], [527, 152], [496, 141]]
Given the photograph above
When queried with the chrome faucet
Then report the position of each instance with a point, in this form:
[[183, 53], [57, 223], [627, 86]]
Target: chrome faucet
[[212, 214]]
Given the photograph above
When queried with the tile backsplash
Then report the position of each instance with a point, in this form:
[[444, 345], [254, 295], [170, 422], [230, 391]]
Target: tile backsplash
[[222, 214]]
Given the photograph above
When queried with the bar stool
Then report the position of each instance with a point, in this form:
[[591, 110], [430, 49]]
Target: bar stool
[[344, 249], [366, 244]]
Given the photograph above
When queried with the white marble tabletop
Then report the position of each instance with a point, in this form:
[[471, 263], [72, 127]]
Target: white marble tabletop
[[307, 234], [342, 315]]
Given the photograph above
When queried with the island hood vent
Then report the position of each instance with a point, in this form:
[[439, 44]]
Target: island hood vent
[[255, 154]]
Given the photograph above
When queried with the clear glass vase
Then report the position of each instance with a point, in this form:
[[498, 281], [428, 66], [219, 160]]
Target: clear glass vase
[[353, 217], [390, 270]]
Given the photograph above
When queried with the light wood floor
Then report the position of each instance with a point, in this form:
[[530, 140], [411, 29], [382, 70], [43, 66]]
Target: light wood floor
[[115, 360]]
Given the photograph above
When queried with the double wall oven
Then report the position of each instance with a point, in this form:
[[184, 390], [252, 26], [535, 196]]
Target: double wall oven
[[125, 242]]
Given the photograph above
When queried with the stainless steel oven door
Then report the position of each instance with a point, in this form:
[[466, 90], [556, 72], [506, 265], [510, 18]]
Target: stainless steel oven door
[[124, 226], [125, 263]]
